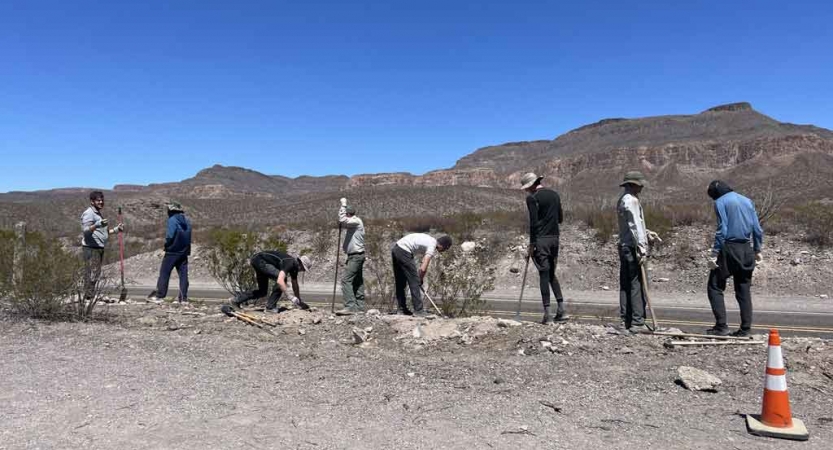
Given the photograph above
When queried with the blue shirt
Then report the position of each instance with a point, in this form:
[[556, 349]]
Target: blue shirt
[[737, 221]]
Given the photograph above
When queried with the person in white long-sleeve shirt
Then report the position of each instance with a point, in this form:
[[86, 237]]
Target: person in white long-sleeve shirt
[[352, 283], [405, 271], [633, 250]]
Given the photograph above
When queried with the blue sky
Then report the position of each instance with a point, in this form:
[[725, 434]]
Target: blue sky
[[100, 93]]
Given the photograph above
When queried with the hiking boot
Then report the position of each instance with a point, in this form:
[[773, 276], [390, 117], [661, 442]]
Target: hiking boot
[[561, 317], [742, 333], [718, 331], [274, 310], [638, 329], [547, 319], [152, 298], [404, 312], [421, 313], [345, 312]]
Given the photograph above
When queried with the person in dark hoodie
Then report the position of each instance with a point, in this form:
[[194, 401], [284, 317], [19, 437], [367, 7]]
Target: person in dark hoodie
[[737, 247], [177, 249]]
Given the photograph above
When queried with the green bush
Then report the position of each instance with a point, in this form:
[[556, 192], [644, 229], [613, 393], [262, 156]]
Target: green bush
[[458, 280], [378, 271], [48, 282], [229, 252]]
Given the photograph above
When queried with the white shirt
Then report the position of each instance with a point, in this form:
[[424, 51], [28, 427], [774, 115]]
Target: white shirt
[[418, 243], [631, 223]]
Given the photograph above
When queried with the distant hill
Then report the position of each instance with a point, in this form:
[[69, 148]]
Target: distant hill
[[678, 153]]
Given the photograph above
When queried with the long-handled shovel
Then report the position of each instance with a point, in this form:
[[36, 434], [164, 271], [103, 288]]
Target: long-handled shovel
[[335, 282], [648, 298], [431, 300], [123, 294], [226, 309], [523, 285]]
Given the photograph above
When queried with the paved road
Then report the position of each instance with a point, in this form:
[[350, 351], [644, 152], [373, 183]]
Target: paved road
[[806, 317]]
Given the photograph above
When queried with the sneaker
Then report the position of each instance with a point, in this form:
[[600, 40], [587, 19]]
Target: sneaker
[[718, 331], [274, 310], [152, 298], [404, 312], [547, 319], [421, 313], [742, 333], [345, 312], [561, 317], [638, 329]]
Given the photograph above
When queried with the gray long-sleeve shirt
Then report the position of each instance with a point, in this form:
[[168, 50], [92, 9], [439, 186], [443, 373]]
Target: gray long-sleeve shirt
[[354, 232], [97, 238], [631, 223]]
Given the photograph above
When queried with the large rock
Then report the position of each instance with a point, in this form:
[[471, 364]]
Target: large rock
[[468, 246], [695, 379]]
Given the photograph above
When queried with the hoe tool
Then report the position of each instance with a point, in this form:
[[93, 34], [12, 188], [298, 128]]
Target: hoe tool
[[523, 284], [226, 309], [431, 300], [647, 298], [123, 294]]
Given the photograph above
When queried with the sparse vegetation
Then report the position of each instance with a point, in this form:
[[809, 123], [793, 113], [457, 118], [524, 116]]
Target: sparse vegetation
[[459, 279], [817, 220], [229, 253]]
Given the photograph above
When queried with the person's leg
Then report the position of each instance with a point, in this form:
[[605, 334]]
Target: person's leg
[[635, 300], [556, 286], [715, 287], [412, 276], [399, 281], [540, 257], [87, 253], [743, 294], [182, 272], [97, 261], [168, 263], [350, 271], [624, 288], [358, 283]]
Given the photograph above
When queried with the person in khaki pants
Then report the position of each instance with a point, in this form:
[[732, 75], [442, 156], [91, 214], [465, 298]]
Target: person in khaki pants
[[352, 284]]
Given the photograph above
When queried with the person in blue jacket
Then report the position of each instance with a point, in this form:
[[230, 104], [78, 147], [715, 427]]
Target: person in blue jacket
[[737, 248], [177, 249]]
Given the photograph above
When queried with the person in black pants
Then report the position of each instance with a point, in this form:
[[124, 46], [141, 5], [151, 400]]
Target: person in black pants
[[737, 248], [545, 215], [405, 271], [275, 265], [177, 250]]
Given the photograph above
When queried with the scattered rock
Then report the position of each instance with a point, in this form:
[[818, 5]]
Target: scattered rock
[[695, 379], [302, 331], [499, 380], [417, 333], [373, 313], [521, 352], [360, 336], [506, 323], [411, 374], [804, 252], [514, 270], [316, 320], [605, 288], [546, 344], [795, 261], [662, 280], [823, 296], [147, 320], [468, 246], [197, 331], [625, 350]]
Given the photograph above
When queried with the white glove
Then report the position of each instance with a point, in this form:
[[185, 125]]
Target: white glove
[[119, 228], [653, 237], [711, 262], [295, 300], [759, 258], [343, 201], [102, 223]]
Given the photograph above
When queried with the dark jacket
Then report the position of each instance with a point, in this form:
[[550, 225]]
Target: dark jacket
[[545, 214], [178, 236]]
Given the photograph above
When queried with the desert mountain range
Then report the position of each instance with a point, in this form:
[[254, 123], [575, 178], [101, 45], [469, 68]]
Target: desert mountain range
[[678, 153]]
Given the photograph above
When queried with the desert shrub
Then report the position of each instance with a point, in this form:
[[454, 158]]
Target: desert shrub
[[817, 220], [323, 242], [458, 280], [229, 252], [49, 280], [658, 220]]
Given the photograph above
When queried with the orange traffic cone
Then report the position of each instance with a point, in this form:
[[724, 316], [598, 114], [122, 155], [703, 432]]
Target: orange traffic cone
[[775, 419]]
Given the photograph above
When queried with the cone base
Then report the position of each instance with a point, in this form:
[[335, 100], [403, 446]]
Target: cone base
[[797, 432]]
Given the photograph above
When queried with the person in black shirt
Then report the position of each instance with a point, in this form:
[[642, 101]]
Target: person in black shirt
[[545, 215], [275, 265]]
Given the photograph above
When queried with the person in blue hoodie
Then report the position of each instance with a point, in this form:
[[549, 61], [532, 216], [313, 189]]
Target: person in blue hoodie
[[737, 248], [177, 249]]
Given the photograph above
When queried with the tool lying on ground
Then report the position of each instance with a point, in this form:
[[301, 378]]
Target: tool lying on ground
[[335, 282], [647, 298], [523, 284], [123, 294], [258, 319], [226, 309], [702, 336], [431, 300], [672, 344]]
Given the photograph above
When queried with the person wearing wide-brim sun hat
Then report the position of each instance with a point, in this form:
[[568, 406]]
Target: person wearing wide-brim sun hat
[[275, 265], [545, 216], [633, 251], [177, 250]]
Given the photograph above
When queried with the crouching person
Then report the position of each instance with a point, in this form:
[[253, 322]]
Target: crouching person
[[275, 265], [405, 271]]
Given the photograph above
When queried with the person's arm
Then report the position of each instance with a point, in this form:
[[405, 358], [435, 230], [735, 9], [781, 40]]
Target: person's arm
[[170, 233], [423, 268], [296, 287], [347, 222], [90, 223], [532, 207], [757, 231], [282, 281], [635, 225], [720, 231], [560, 211]]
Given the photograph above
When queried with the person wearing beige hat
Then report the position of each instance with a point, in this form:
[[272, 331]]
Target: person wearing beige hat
[[275, 265], [545, 216], [633, 251], [177, 250]]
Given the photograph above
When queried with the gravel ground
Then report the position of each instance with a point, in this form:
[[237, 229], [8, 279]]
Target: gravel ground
[[175, 378]]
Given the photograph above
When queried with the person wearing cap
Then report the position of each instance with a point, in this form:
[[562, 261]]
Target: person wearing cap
[[633, 251], [94, 239], [545, 216], [177, 250], [405, 271], [275, 265], [352, 284], [736, 250]]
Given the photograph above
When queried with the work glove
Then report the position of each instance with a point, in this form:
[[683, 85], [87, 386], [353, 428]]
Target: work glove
[[759, 258], [102, 223], [711, 261], [298, 302], [118, 228], [343, 202], [653, 237]]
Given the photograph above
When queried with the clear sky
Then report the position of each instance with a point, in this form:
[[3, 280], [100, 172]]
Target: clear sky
[[95, 93]]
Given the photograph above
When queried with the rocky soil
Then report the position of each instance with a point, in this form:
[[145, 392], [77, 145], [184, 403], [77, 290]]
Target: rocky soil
[[190, 377]]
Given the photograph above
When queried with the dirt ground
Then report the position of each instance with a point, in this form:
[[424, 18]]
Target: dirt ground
[[169, 377]]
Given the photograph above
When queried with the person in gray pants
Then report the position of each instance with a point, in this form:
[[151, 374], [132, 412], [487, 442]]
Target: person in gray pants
[[95, 236], [352, 284]]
